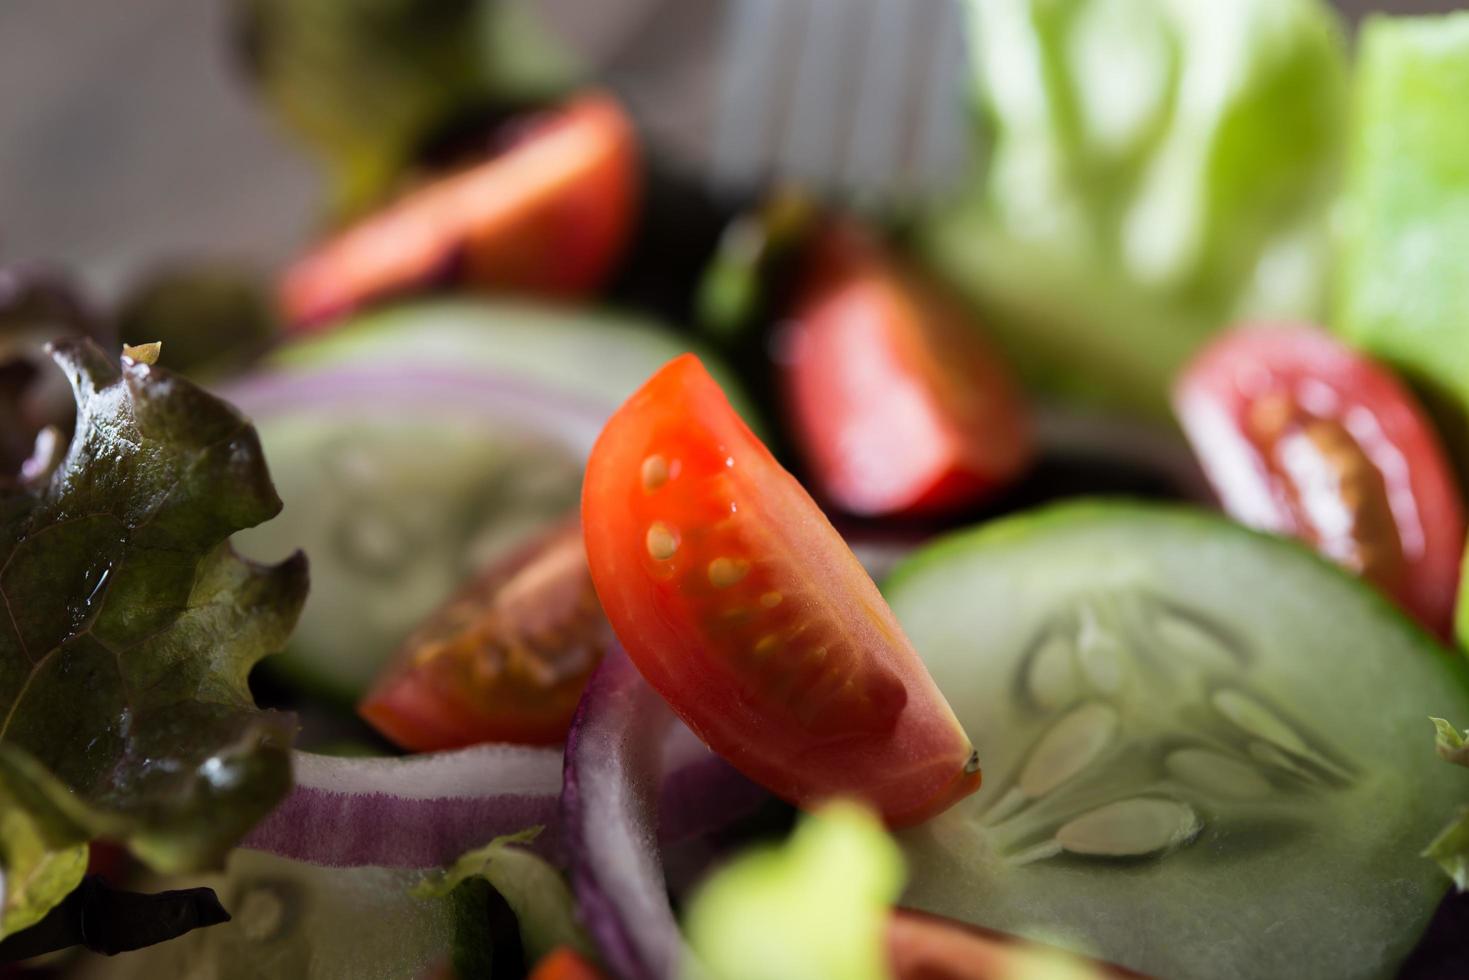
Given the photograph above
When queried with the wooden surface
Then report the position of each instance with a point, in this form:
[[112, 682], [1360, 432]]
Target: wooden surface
[[126, 139]]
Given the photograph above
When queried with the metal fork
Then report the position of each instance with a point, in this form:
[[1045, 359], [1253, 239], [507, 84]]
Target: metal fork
[[851, 97], [859, 99]]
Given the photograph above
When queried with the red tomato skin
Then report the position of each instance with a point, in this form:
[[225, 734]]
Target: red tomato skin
[[899, 406], [930, 947], [1313, 369], [548, 216], [565, 964], [497, 677], [741, 605]]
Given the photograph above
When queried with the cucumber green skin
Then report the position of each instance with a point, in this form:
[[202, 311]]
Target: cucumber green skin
[[1331, 885], [292, 919], [597, 356]]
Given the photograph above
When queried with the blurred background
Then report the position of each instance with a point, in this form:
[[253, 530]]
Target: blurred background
[[128, 139]]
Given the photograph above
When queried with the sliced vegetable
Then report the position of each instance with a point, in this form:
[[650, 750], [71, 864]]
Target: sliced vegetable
[[425, 811], [296, 920], [565, 964], [814, 906], [927, 947], [548, 215], [534, 889], [401, 484], [1402, 292], [1126, 212], [1196, 732], [609, 817], [505, 660], [132, 627], [582, 354], [897, 402], [418, 811], [742, 606], [363, 84], [1304, 437]]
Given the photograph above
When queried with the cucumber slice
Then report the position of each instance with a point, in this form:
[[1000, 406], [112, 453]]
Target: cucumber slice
[[597, 356], [398, 485], [1207, 752], [291, 919]]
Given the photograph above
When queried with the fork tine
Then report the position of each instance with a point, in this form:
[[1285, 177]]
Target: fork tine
[[877, 130], [748, 54], [941, 141]]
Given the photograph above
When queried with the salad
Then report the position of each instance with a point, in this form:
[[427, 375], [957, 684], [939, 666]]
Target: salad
[[562, 570]]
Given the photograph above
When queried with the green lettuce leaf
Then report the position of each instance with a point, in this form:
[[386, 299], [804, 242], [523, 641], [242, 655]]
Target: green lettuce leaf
[[1154, 169], [364, 82], [816, 906], [535, 890], [1451, 850], [1403, 288], [129, 629]]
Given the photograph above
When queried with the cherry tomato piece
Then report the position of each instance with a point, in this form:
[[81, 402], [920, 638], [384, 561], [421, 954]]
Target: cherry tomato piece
[[565, 964], [742, 606], [548, 216], [930, 947], [899, 405], [1303, 436], [505, 660]]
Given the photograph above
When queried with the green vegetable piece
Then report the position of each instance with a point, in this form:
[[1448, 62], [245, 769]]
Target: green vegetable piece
[[34, 873], [1403, 286], [1461, 616], [130, 629], [1451, 850], [816, 906], [534, 889], [1155, 169], [1451, 745]]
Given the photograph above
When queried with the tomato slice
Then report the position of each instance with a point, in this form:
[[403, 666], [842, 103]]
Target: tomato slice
[[565, 964], [899, 405], [505, 660], [930, 947], [742, 606], [549, 216], [1303, 436]]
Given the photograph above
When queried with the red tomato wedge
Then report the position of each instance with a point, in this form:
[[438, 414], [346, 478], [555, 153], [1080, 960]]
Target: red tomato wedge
[[565, 964], [548, 216], [1303, 436], [743, 607], [505, 660], [899, 405], [929, 947]]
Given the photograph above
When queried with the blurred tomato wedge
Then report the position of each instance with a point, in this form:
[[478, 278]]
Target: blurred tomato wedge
[[742, 606], [1303, 436], [505, 660], [929, 947], [565, 964], [550, 215], [899, 405]]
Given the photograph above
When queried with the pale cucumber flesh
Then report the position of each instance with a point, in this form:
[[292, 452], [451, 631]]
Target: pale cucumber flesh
[[1206, 753]]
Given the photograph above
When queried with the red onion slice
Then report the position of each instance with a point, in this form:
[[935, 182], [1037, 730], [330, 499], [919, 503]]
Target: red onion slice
[[418, 811], [609, 816]]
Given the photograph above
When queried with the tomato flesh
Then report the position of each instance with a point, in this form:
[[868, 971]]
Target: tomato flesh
[[1302, 436], [548, 216], [505, 660], [565, 964], [899, 405], [929, 947], [742, 606]]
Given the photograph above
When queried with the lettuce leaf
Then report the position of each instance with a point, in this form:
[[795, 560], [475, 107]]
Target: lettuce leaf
[[129, 627], [1451, 848], [535, 890], [1155, 169], [816, 906]]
